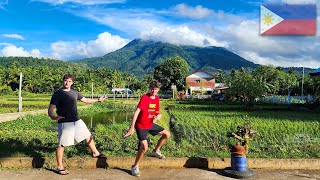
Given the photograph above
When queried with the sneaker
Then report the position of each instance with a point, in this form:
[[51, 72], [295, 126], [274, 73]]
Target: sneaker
[[157, 154], [135, 171]]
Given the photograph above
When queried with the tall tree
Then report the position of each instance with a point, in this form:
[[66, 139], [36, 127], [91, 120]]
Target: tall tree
[[172, 71], [246, 87], [289, 81], [220, 77], [270, 75]]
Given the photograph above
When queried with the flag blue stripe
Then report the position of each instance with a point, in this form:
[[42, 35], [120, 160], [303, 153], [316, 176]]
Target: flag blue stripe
[[294, 11]]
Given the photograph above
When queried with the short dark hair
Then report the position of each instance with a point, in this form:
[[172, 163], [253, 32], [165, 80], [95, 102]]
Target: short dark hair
[[154, 84], [68, 76]]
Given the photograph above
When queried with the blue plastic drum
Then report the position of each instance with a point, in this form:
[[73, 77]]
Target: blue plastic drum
[[239, 163]]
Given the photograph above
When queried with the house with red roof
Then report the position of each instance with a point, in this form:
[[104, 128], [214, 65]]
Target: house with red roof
[[201, 81]]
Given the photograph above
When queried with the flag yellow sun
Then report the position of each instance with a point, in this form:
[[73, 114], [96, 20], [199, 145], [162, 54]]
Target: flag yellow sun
[[268, 19]]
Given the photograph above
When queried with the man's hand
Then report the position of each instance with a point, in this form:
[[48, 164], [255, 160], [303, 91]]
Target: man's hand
[[57, 118], [102, 98], [156, 118], [129, 133], [52, 114]]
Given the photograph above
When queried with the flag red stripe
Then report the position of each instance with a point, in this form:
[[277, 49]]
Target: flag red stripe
[[293, 27]]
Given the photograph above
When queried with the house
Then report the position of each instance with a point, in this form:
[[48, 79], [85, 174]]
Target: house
[[201, 81], [121, 90]]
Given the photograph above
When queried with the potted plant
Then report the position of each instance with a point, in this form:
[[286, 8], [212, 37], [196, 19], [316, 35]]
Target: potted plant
[[243, 134], [239, 151]]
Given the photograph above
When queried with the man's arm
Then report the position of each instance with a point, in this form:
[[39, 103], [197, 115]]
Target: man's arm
[[52, 114], [134, 119], [158, 115], [100, 99]]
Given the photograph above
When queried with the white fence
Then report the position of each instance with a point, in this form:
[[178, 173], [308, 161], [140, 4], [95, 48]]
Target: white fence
[[162, 96], [266, 99], [111, 95], [286, 99]]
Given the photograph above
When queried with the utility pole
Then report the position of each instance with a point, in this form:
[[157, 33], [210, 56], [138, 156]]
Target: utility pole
[[127, 92], [92, 90], [114, 95], [20, 97], [173, 87], [302, 82]]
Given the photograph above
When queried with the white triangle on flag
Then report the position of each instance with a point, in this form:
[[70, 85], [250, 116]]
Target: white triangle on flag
[[268, 19]]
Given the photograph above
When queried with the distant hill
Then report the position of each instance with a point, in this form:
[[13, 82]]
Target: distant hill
[[32, 61], [141, 57], [299, 70]]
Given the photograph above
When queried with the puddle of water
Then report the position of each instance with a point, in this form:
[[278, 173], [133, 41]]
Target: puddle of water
[[115, 117]]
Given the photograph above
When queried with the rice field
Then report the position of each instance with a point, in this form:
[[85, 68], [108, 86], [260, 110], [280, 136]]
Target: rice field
[[10, 104], [198, 130], [281, 133]]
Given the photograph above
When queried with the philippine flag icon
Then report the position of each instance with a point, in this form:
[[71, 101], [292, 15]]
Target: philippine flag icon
[[284, 19]]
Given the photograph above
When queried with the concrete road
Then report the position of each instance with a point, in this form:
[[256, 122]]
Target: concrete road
[[159, 173]]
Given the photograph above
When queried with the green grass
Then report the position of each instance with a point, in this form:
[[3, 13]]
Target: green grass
[[282, 133], [199, 130], [36, 135], [10, 104]]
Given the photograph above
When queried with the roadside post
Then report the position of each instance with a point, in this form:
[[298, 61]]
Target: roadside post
[[20, 97], [173, 87]]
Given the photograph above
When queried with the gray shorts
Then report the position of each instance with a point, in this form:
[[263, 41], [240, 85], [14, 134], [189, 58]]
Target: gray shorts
[[71, 133], [154, 130]]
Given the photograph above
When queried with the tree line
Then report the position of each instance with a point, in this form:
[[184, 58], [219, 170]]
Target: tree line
[[41, 76], [47, 79], [269, 80]]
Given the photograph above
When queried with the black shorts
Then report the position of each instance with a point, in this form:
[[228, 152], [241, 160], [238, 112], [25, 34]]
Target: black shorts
[[154, 130]]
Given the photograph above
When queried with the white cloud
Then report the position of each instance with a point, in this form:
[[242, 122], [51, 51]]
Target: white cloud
[[83, 2], [244, 39], [5, 44], [246, 35], [282, 61], [12, 50], [67, 50], [3, 3], [211, 28], [129, 21], [15, 36], [104, 44], [149, 24], [36, 53], [181, 36], [197, 12]]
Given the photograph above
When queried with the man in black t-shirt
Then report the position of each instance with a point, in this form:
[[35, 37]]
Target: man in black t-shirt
[[71, 128]]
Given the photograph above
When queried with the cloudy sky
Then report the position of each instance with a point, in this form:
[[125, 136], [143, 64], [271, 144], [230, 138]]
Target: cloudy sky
[[74, 29]]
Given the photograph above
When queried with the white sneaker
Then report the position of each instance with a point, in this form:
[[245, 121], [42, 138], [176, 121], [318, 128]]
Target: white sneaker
[[157, 154], [135, 171]]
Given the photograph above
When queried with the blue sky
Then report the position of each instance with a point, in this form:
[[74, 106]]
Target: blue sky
[[75, 29]]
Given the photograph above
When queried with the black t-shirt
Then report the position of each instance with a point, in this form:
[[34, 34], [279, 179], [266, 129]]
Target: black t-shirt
[[66, 104]]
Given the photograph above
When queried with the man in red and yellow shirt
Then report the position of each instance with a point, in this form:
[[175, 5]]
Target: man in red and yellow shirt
[[144, 118]]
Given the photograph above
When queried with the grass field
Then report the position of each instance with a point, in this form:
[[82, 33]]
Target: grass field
[[281, 132], [198, 130], [10, 104]]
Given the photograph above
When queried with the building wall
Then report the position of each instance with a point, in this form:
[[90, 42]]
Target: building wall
[[201, 81]]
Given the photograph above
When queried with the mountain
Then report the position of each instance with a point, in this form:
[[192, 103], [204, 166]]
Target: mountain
[[141, 57]]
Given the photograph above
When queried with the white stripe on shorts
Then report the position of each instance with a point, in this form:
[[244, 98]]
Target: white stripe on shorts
[[71, 133]]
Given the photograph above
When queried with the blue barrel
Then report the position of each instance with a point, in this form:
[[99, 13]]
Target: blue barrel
[[239, 163]]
